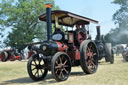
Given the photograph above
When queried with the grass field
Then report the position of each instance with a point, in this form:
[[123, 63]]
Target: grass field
[[15, 73]]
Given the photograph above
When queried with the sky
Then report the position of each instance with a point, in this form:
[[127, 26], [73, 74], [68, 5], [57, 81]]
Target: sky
[[100, 10]]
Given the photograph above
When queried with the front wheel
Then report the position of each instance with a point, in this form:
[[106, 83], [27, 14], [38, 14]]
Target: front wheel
[[36, 68], [88, 57], [61, 66]]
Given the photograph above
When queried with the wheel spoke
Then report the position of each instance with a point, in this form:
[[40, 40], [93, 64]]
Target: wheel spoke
[[33, 69], [94, 54], [61, 74], [87, 63], [39, 61], [91, 48], [43, 66], [57, 71], [65, 70], [36, 72], [35, 62], [90, 67], [94, 66], [65, 66], [57, 67], [60, 60], [88, 53], [92, 63], [65, 62], [41, 71]]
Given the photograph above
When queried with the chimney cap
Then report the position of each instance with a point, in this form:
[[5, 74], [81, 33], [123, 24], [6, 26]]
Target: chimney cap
[[48, 5]]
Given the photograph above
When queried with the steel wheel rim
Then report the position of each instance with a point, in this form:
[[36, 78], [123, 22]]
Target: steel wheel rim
[[62, 67], [37, 67], [91, 57]]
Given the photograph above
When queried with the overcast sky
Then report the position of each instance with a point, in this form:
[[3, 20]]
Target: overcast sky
[[101, 10]]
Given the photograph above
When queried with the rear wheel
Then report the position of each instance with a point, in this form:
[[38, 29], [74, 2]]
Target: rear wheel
[[61, 66], [109, 53], [89, 57], [36, 68], [112, 57]]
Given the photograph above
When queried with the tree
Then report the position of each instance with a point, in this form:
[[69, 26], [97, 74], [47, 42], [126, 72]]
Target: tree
[[119, 35], [22, 17]]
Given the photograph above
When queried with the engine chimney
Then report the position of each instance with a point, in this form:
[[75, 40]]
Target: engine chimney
[[48, 19], [98, 32]]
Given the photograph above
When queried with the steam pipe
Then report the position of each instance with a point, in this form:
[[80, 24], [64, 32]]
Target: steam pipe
[[48, 19], [98, 32]]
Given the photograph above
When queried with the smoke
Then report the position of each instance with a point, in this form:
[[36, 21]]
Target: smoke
[[120, 37]]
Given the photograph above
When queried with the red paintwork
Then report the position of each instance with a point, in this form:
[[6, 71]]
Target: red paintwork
[[12, 57], [74, 55], [62, 47], [18, 57], [30, 53], [77, 55]]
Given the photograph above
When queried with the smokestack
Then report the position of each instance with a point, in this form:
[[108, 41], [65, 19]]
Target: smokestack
[[48, 19], [98, 32]]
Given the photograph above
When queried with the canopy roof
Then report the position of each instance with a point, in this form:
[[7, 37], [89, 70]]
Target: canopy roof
[[67, 18]]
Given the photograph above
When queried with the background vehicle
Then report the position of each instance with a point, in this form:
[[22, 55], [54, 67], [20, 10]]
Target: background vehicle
[[104, 49], [125, 53], [62, 50], [9, 54]]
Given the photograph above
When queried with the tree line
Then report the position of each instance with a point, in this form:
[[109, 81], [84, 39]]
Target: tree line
[[21, 16]]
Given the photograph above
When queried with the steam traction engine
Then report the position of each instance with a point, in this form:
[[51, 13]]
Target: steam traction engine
[[104, 49], [9, 55], [62, 50]]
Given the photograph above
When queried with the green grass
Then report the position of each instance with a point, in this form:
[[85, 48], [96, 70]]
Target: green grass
[[15, 73]]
